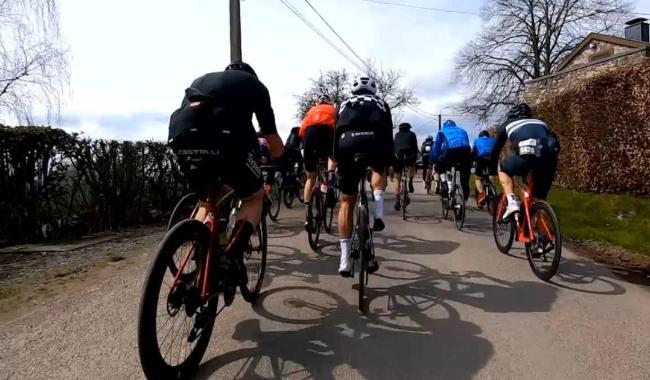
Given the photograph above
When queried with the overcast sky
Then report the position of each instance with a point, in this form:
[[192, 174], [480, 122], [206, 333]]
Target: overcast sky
[[132, 60]]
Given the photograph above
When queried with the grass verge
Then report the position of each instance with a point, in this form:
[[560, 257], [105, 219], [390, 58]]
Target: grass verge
[[619, 220]]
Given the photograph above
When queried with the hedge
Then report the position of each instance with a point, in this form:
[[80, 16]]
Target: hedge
[[55, 184], [604, 129]]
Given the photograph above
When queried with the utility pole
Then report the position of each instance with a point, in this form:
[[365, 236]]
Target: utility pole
[[235, 31], [439, 121]]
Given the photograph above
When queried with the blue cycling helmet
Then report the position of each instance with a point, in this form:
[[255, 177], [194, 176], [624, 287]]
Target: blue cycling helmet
[[449, 123]]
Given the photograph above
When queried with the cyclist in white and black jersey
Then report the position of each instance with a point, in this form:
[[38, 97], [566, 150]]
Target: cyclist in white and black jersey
[[535, 148], [364, 126]]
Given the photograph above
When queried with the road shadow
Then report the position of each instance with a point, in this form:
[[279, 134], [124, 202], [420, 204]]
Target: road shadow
[[412, 245], [284, 228], [587, 276], [444, 346], [307, 267]]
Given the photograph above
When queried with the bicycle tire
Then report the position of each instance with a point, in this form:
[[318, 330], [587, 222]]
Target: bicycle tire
[[315, 204], [445, 207], [180, 211], [329, 218], [274, 207], [545, 275], [499, 227], [364, 235], [459, 207], [288, 196], [251, 294], [491, 197], [153, 363]]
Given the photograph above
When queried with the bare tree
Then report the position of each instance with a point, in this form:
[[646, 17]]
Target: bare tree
[[526, 39], [33, 62], [336, 85]]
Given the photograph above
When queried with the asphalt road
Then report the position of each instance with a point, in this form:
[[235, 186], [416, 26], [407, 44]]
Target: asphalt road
[[444, 305]]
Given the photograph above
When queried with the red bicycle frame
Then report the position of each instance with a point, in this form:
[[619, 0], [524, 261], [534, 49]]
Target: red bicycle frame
[[205, 211]]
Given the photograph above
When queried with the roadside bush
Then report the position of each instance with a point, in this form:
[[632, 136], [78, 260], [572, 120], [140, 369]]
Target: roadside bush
[[54, 184], [604, 130]]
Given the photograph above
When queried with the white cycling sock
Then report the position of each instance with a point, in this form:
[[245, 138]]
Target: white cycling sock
[[512, 199], [345, 247], [443, 177], [379, 204]]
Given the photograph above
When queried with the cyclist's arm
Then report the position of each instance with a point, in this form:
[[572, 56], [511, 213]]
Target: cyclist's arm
[[266, 121]]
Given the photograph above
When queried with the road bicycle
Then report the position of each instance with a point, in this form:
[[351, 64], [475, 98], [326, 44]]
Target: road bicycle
[[179, 302], [536, 225], [320, 208], [404, 198], [292, 186], [490, 195], [272, 190], [428, 181], [455, 200], [363, 249]]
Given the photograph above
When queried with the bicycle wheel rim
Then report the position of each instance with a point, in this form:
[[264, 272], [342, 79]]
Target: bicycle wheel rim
[[274, 207], [459, 208], [504, 232], [548, 241], [313, 235], [255, 262], [156, 357]]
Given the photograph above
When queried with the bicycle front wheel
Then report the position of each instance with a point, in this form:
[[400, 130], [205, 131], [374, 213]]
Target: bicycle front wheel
[[174, 326], [545, 252], [255, 262], [274, 207]]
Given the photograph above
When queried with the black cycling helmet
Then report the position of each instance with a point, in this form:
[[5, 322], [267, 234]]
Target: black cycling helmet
[[429, 137], [484, 133], [404, 127], [520, 110], [242, 66]]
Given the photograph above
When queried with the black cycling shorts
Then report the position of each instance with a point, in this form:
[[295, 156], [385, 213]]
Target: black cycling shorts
[[245, 176], [352, 143], [461, 158], [318, 143], [484, 167], [404, 160], [543, 169]]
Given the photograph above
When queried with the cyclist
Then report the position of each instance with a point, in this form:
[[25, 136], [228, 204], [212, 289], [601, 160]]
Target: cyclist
[[213, 135], [364, 126], [292, 148], [317, 133], [406, 150], [481, 154], [452, 149], [535, 148], [425, 151]]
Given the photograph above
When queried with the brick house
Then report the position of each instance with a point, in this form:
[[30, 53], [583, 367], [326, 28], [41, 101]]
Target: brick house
[[596, 54]]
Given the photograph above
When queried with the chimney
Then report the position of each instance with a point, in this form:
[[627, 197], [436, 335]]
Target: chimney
[[638, 30]]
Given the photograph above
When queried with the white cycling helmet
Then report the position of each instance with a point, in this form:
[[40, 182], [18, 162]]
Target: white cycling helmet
[[364, 85]]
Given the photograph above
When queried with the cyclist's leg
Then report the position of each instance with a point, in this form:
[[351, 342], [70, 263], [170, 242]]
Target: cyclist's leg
[[348, 180], [378, 184], [465, 168], [514, 165], [425, 167], [441, 168], [543, 175], [412, 172], [310, 143]]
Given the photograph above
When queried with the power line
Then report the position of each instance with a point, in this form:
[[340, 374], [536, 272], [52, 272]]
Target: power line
[[320, 34], [341, 38], [425, 8]]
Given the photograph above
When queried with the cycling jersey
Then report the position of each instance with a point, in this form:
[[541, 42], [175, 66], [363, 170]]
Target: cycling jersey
[[483, 147], [406, 143], [425, 150], [449, 138], [320, 114], [294, 141]]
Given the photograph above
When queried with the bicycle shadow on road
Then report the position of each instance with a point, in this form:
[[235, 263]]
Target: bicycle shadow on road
[[290, 261], [412, 245], [587, 276], [339, 342]]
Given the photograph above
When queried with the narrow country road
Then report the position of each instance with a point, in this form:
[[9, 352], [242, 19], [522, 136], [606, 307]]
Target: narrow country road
[[444, 305]]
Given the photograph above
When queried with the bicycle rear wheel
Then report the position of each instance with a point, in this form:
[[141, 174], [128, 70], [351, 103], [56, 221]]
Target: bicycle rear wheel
[[315, 209], [458, 206], [288, 195], [545, 252], [490, 198], [255, 262], [364, 236], [174, 327], [183, 209], [404, 194], [504, 231]]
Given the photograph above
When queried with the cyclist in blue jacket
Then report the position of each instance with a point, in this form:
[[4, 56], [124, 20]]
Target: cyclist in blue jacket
[[481, 153], [452, 149]]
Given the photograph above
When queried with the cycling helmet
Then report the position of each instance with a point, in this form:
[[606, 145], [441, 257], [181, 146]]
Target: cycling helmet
[[449, 123], [429, 137], [484, 133], [242, 66], [323, 99], [364, 85], [404, 127], [520, 110]]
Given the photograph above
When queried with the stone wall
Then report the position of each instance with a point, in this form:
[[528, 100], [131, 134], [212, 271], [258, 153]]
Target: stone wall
[[543, 89], [602, 48]]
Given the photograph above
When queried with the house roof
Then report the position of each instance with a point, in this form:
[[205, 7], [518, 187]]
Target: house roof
[[634, 44]]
